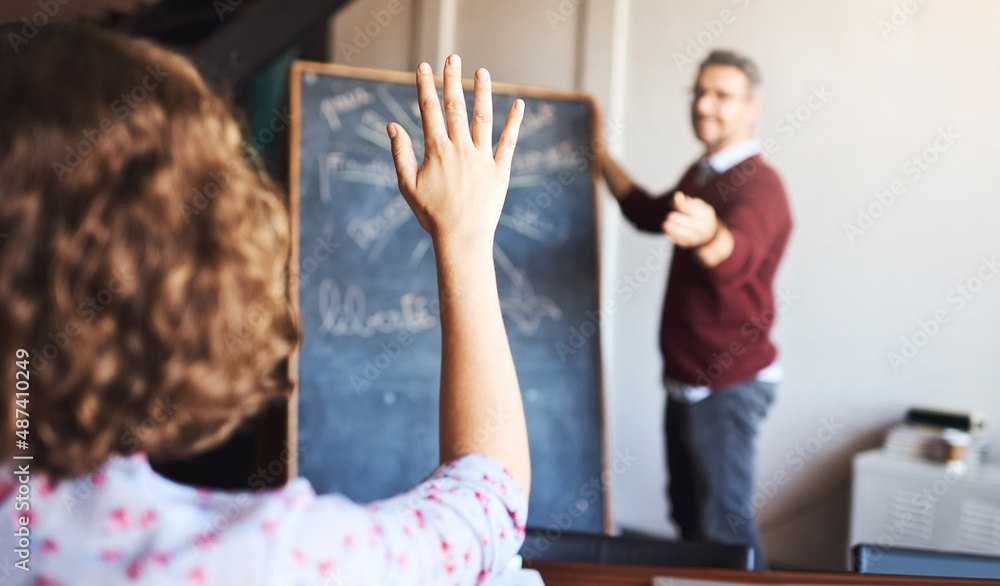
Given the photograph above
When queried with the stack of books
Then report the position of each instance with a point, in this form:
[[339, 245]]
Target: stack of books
[[938, 436]]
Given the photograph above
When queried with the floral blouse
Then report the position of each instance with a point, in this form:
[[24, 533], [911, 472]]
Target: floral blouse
[[127, 524]]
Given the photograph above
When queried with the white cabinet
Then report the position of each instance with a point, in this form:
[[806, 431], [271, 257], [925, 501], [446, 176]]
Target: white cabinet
[[925, 505]]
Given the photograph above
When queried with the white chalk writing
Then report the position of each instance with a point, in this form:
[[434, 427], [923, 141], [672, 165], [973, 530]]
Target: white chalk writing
[[342, 103], [536, 120], [365, 231], [522, 306], [347, 314], [554, 158]]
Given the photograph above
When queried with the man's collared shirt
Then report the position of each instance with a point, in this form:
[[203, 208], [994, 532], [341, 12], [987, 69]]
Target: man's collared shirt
[[732, 155]]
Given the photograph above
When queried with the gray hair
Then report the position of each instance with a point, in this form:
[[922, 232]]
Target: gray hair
[[734, 59]]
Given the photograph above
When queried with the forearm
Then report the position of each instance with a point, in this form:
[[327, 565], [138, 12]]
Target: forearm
[[481, 409], [618, 180], [718, 249]]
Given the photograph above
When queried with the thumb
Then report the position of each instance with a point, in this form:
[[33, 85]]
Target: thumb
[[680, 201], [403, 158]]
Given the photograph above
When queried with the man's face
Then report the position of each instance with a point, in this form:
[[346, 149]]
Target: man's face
[[722, 110]]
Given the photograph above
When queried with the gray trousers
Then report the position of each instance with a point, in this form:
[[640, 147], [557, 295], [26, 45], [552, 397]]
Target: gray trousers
[[710, 460]]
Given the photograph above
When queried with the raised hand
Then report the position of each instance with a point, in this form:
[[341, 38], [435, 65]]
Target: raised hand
[[457, 195], [459, 190]]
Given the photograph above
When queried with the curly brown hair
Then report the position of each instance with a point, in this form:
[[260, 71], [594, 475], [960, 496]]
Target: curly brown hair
[[143, 263]]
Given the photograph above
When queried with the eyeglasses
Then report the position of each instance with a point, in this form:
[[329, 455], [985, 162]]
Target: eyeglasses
[[697, 93]]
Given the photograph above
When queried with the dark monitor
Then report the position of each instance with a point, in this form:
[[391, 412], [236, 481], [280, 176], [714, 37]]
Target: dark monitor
[[868, 558], [569, 546]]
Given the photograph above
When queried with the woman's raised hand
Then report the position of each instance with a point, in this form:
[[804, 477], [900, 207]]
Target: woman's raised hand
[[457, 195], [459, 190]]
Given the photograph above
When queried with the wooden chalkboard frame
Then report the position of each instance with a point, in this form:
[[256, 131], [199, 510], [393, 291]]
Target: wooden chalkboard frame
[[295, 98]]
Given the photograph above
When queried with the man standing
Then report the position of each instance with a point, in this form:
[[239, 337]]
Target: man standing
[[730, 221]]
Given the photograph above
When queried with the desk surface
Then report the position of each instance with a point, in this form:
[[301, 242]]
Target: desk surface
[[576, 574]]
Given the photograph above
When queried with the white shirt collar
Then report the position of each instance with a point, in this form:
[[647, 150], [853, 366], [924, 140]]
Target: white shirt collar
[[733, 155]]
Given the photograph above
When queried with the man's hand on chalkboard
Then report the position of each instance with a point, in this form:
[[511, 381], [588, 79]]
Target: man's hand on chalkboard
[[458, 192]]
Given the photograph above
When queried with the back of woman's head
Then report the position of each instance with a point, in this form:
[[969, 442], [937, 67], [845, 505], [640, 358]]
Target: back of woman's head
[[142, 262]]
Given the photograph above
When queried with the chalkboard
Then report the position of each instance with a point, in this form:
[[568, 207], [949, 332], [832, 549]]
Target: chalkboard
[[364, 277]]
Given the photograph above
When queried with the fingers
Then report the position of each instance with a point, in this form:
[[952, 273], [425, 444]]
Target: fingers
[[457, 116], [403, 158], [508, 138], [687, 230], [482, 112], [430, 108], [679, 200], [682, 219], [678, 227], [454, 100], [692, 206], [667, 226], [683, 236]]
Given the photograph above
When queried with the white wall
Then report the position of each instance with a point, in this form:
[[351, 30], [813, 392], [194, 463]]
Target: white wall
[[889, 94]]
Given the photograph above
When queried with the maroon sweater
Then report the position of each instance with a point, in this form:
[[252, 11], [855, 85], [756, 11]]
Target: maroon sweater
[[716, 321]]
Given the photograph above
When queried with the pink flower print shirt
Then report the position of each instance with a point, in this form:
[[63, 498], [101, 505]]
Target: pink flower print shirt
[[126, 524]]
